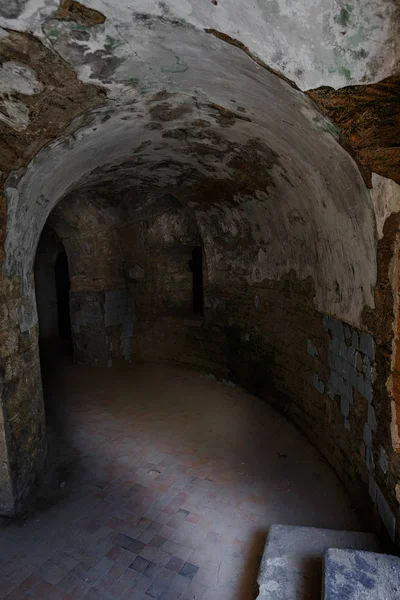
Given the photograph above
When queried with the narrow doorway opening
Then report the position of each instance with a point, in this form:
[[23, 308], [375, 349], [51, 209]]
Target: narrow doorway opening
[[62, 290], [196, 266], [52, 285]]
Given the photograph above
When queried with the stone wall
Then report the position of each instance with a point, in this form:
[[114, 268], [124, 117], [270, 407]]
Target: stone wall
[[319, 371], [268, 336]]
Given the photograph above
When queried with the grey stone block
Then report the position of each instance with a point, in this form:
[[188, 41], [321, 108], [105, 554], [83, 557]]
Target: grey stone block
[[338, 364], [371, 418], [343, 349], [346, 389], [346, 370], [334, 345], [355, 575], [354, 339], [372, 488], [336, 327], [334, 382], [318, 384], [367, 435], [326, 323], [367, 345], [351, 356], [342, 386], [344, 406], [367, 367], [353, 378], [349, 392], [369, 460], [347, 332], [331, 359], [361, 384], [383, 460], [368, 392], [291, 566]]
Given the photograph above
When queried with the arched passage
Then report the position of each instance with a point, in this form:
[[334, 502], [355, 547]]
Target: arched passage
[[208, 148], [52, 285]]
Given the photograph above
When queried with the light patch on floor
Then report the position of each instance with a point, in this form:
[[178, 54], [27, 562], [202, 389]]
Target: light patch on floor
[[178, 481]]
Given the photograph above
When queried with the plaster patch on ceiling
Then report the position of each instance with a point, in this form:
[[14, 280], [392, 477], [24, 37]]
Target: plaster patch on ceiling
[[385, 195], [312, 42], [15, 77]]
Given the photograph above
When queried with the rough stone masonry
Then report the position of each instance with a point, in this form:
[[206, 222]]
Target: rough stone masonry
[[137, 135]]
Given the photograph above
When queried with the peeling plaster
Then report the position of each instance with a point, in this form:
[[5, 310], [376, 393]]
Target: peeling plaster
[[317, 207], [16, 77], [385, 196], [317, 42]]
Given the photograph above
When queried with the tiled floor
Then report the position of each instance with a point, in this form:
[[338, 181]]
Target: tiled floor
[[177, 481]]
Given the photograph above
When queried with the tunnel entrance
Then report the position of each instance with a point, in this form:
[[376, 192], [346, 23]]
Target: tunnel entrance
[[62, 289], [196, 267], [52, 284]]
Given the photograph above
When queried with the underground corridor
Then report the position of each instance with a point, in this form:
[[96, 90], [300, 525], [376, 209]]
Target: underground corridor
[[199, 300]]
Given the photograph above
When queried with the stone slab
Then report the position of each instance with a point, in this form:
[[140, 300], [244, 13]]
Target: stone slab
[[292, 562], [355, 575]]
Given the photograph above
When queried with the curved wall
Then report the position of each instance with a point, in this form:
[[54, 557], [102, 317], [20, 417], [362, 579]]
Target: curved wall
[[182, 120]]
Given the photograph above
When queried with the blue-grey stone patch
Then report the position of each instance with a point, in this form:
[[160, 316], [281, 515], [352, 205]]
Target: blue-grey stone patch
[[371, 419], [311, 350], [367, 435], [369, 460], [318, 384], [368, 393], [291, 566], [344, 406], [383, 460], [357, 575], [367, 345]]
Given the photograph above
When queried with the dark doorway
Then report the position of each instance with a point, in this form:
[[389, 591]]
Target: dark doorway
[[62, 290], [196, 266]]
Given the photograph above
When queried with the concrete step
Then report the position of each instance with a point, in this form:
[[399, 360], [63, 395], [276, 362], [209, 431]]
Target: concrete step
[[355, 575], [292, 562]]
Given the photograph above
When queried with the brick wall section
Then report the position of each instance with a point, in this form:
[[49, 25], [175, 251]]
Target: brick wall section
[[318, 370], [102, 326], [22, 423]]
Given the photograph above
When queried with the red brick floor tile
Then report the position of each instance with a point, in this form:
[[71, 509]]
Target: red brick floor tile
[[193, 518], [183, 552], [156, 590], [78, 590], [166, 531], [198, 509], [114, 553], [179, 583], [195, 591], [170, 595], [175, 564], [149, 552], [46, 591], [161, 558], [67, 583], [133, 594], [27, 584]]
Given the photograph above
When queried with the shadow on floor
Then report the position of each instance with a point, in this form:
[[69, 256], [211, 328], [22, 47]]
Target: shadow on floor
[[248, 587], [62, 460]]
